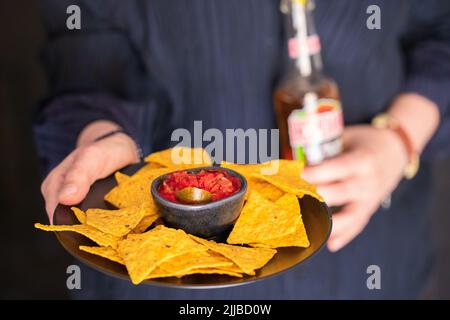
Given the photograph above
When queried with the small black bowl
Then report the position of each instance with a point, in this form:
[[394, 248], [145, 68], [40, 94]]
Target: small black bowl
[[205, 220]]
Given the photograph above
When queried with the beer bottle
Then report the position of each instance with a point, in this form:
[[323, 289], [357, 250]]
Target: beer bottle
[[306, 102]]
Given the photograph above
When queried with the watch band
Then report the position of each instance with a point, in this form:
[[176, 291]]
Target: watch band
[[386, 121], [117, 131]]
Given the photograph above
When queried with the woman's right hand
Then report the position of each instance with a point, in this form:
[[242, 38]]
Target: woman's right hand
[[69, 182]]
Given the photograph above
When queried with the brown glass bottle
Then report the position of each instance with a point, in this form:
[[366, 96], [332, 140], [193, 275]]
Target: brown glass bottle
[[302, 77]]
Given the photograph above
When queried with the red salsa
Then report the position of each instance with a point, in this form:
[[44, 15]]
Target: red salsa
[[219, 183]]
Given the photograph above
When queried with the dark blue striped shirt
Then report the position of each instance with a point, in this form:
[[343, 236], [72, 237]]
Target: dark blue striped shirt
[[153, 66]]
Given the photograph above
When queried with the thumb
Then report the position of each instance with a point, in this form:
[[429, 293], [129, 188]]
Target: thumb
[[95, 161], [80, 176]]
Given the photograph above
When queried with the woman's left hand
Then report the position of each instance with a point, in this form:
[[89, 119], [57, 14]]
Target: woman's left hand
[[359, 179]]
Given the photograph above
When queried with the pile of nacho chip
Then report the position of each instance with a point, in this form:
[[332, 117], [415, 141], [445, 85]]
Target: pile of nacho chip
[[134, 235]]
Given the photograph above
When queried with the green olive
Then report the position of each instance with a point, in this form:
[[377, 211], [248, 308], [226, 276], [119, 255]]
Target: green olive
[[193, 195]]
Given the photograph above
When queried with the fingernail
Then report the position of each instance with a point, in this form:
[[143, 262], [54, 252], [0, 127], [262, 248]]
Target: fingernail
[[68, 190]]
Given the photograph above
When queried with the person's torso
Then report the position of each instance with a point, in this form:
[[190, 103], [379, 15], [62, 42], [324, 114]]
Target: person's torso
[[219, 61]]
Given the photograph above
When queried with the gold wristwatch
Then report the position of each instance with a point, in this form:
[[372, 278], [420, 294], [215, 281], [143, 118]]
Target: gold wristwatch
[[386, 121]]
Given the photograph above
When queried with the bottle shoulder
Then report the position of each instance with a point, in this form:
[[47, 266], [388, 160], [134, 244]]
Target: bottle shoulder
[[296, 85]]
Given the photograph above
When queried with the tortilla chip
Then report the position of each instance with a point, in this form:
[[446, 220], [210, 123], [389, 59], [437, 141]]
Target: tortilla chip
[[288, 178], [143, 252], [298, 238], [121, 177], [233, 268], [116, 222], [292, 184], [267, 190], [247, 170], [160, 273], [214, 271], [135, 192], [180, 158], [92, 233], [261, 220], [147, 169], [79, 214], [233, 271], [247, 259], [183, 264], [105, 252], [272, 167], [146, 222]]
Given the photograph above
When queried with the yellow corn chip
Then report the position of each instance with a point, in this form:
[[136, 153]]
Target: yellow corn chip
[[116, 222], [260, 220], [92, 233], [298, 238], [146, 222], [105, 252], [272, 167], [267, 190], [143, 252], [244, 169], [247, 259], [288, 179], [214, 271], [120, 177], [233, 269], [135, 192], [160, 273], [79, 214], [180, 158], [291, 184], [147, 169], [181, 265]]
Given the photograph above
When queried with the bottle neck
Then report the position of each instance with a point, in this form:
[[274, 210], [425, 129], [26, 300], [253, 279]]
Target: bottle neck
[[303, 42]]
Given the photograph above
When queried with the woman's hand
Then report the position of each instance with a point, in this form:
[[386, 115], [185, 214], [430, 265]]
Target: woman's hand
[[359, 179], [69, 182], [371, 166]]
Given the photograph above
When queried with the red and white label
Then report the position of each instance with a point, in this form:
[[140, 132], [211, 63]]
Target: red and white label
[[315, 128], [312, 45]]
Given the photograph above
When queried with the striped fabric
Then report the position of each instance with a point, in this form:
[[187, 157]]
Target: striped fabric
[[153, 66]]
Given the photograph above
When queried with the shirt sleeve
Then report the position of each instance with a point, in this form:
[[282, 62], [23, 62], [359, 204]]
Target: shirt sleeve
[[93, 73], [58, 123], [427, 49]]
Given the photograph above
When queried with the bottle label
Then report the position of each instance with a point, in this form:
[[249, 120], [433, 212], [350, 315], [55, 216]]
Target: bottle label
[[316, 135], [312, 46]]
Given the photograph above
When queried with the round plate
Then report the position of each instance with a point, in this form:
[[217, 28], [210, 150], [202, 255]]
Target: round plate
[[316, 217]]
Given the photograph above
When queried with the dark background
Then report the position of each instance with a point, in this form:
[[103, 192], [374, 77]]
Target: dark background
[[32, 263]]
